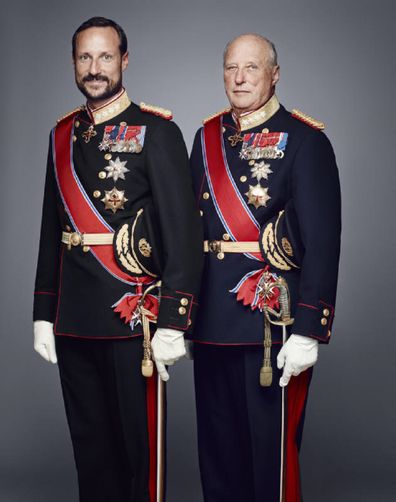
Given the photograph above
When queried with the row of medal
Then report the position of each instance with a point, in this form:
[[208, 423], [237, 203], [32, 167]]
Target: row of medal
[[256, 148]]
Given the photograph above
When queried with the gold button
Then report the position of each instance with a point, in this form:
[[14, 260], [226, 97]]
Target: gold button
[[76, 123], [97, 194], [184, 301], [85, 249], [220, 256], [243, 179], [201, 212], [108, 156], [123, 123], [68, 229], [223, 129], [189, 322], [102, 175], [74, 138], [323, 321], [251, 162], [329, 334], [265, 130], [75, 239], [206, 195], [226, 237], [326, 312], [182, 310]]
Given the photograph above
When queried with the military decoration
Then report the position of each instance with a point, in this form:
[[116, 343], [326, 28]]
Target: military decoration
[[260, 170], [116, 169], [123, 138], [270, 145], [257, 196], [114, 199], [89, 133], [235, 138]]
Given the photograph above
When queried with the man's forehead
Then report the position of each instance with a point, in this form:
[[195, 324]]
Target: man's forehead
[[97, 36], [247, 48]]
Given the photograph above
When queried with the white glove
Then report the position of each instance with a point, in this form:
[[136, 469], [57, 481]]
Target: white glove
[[298, 354], [44, 340], [168, 347]]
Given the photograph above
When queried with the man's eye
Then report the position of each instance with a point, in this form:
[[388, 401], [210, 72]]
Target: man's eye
[[231, 68], [83, 57], [252, 67], [107, 57]]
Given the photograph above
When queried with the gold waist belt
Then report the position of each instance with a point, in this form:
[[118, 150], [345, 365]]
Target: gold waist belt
[[231, 247], [77, 239]]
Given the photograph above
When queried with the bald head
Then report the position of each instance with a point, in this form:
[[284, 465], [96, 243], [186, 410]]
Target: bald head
[[262, 43]]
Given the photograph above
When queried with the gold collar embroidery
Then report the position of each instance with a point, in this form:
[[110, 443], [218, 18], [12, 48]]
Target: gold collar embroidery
[[259, 116], [106, 112]]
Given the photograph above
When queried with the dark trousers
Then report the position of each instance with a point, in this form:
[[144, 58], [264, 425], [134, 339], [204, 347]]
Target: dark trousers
[[106, 406], [240, 427]]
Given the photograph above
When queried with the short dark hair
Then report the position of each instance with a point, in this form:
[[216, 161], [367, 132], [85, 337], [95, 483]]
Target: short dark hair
[[101, 22]]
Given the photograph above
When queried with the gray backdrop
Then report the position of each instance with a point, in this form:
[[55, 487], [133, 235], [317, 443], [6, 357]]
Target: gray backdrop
[[337, 64]]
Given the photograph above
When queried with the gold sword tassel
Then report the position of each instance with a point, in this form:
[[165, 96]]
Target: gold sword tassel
[[146, 317]]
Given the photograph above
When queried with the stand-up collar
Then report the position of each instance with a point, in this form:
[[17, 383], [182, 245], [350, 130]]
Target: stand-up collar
[[258, 117], [111, 109]]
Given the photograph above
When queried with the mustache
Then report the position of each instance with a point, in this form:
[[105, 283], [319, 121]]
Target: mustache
[[90, 78]]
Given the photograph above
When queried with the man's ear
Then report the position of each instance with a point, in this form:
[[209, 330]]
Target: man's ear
[[275, 74], [124, 61]]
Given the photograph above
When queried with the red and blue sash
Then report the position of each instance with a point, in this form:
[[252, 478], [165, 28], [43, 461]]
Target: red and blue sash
[[82, 213], [230, 206]]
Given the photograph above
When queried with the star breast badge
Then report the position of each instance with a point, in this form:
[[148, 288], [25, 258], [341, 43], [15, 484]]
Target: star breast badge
[[116, 169], [260, 170], [257, 196], [114, 199]]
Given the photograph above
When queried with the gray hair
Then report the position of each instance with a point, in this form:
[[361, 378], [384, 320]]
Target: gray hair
[[273, 55]]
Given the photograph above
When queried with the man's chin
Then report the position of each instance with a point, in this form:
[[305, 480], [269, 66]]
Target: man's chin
[[242, 105], [98, 95]]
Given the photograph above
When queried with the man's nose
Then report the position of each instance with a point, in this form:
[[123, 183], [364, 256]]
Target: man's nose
[[94, 67], [240, 76]]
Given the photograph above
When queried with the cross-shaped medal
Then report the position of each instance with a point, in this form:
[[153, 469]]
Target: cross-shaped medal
[[89, 133], [235, 139]]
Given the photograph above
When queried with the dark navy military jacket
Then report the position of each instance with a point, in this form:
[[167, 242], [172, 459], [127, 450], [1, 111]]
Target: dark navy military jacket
[[73, 290], [308, 175]]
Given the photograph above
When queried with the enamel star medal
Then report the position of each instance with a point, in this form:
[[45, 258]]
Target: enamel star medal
[[116, 169], [114, 199], [257, 196], [89, 133], [260, 170]]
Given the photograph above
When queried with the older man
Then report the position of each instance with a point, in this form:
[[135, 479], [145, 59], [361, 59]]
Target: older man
[[118, 214], [267, 187]]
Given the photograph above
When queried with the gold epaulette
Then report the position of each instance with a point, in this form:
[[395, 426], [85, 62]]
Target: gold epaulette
[[307, 119], [78, 109], [214, 115], [156, 110]]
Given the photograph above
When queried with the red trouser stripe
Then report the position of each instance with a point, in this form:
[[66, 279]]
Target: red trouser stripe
[[297, 391], [152, 421]]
